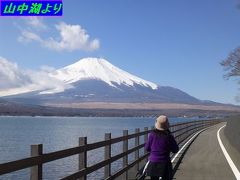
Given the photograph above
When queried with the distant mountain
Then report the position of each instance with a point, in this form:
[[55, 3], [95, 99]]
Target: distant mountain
[[98, 91], [102, 70], [97, 80]]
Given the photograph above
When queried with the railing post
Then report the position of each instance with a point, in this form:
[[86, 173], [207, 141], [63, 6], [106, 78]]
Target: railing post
[[107, 155], [137, 151], [196, 127], [125, 149], [36, 171], [145, 138], [204, 124], [176, 134], [187, 131], [173, 128], [83, 157], [181, 131]]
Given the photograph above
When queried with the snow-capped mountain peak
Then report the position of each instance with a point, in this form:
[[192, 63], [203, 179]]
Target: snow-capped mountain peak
[[93, 80], [99, 69]]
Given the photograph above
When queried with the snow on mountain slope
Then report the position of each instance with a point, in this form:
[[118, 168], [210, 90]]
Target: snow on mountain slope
[[99, 69], [97, 80]]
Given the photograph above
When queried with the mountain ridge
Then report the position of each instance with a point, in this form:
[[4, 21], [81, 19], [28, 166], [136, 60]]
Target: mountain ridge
[[97, 80]]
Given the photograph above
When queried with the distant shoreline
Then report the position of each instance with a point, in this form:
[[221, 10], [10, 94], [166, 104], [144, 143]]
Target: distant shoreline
[[110, 109], [143, 106], [66, 112]]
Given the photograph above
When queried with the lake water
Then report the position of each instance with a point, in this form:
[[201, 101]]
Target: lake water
[[57, 133]]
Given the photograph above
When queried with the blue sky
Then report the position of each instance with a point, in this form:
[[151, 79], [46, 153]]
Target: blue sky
[[172, 43]]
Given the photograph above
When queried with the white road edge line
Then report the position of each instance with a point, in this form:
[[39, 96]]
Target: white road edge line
[[229, 160], [176, 155]]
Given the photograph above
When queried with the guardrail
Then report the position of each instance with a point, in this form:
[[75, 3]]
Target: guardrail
[[180, 131]]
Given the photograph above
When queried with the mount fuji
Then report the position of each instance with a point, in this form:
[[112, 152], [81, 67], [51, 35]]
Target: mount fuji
[[102, 70], [97, 80]]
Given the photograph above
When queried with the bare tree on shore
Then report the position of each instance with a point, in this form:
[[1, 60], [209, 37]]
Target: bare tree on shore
[[232, 66]]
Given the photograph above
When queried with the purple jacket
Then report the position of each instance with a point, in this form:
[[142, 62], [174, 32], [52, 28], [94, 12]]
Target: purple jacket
[[160, 144]]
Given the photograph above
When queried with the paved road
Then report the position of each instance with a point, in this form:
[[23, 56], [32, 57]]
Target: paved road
[[205, 160]]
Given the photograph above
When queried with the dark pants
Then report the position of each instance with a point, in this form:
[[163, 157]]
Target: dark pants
[[154, 178], [156, 170]]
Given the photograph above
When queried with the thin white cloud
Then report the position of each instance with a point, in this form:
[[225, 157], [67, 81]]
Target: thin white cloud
[[35, 22], [47, 69], [70, 38], [11, 76], [14, 80], [28, 36]]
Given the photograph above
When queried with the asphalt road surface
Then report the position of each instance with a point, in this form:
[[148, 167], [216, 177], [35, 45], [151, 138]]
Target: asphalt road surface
[[204, 159]]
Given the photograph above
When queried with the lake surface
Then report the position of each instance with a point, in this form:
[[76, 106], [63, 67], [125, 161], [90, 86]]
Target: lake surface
[[57, 133]]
